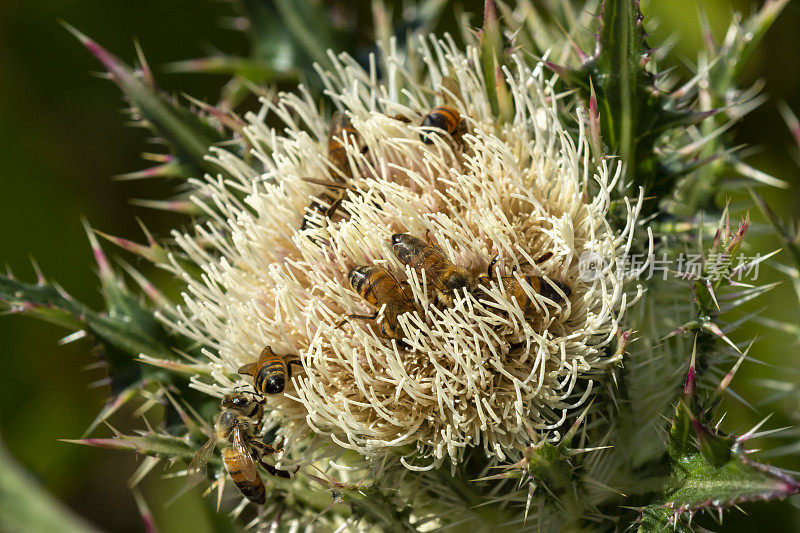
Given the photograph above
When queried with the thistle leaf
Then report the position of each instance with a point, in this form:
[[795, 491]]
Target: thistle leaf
[[126, 331], [621, 78], [44, 301], [492, 59], [309, 24], [187, 135], [714, 475], [152, 444]]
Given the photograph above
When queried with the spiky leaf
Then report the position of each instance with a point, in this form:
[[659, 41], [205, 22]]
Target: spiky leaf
[[708, 469], [186, 134]]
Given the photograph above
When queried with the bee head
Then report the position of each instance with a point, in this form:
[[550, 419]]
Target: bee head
[[398, 238], [225, 421], [237, 401], [549, 292], [432, 122]]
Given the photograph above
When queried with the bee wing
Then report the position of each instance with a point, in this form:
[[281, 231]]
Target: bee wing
[[451, 92], [196, 471], [240, 446]]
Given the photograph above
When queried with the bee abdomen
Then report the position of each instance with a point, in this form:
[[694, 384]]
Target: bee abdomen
[[364, 279], [270, 378], [442, 117], [253, 490], [547, 290]]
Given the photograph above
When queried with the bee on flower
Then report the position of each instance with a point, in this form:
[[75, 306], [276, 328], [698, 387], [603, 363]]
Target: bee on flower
[[432, 367]]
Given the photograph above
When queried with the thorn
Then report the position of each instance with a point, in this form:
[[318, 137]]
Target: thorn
[[172, 169], [570, 434], [558, 69], [107, 276], [40, 279], [152, 292], [231, 120], [185, 207], [739, 235], [111, 444], [147, 517], [791, 121], [622, 343], [489, 15], [99, 383], [112, 405], [111, 63], [152, 255], [594, 121], [750, 434], [72, 337], [531, 488], [144, 68], [690, 388], [726, 381]]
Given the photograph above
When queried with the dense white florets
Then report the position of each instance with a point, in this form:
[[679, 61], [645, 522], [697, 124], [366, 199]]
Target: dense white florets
[[479, 373]]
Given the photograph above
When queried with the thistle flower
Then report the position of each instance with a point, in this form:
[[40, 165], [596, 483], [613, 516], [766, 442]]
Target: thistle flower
[[537, 219], [483, 372]]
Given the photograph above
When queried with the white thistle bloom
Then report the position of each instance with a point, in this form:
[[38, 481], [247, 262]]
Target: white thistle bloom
[[479, 373]]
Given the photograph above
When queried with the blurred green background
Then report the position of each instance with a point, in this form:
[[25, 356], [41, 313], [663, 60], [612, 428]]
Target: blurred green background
[[62, 138]]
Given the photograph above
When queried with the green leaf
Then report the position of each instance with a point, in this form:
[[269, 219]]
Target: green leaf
[[492, 58], [161, 445], [43, 301], [621, 78], [714, 475], [310, 25]]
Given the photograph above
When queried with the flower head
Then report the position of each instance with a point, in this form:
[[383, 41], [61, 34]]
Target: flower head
[[507, 358]]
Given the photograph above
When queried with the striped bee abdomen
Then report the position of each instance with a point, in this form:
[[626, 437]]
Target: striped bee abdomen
[[443, 117], [269, 372], [270, 376], [253, 490]]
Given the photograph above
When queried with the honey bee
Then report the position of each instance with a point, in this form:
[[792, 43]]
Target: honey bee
[[446, 278], [341, 133], [445, 118], [320, 208], [235, 426], [514, 288], [271, 372], [377, 286]]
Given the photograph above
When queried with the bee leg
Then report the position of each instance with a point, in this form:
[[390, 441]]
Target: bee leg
[[543, 258], [373, 316], [274, 471], [289, 364], [263, 448], [491, 265], [428, 238], [334, 206]]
